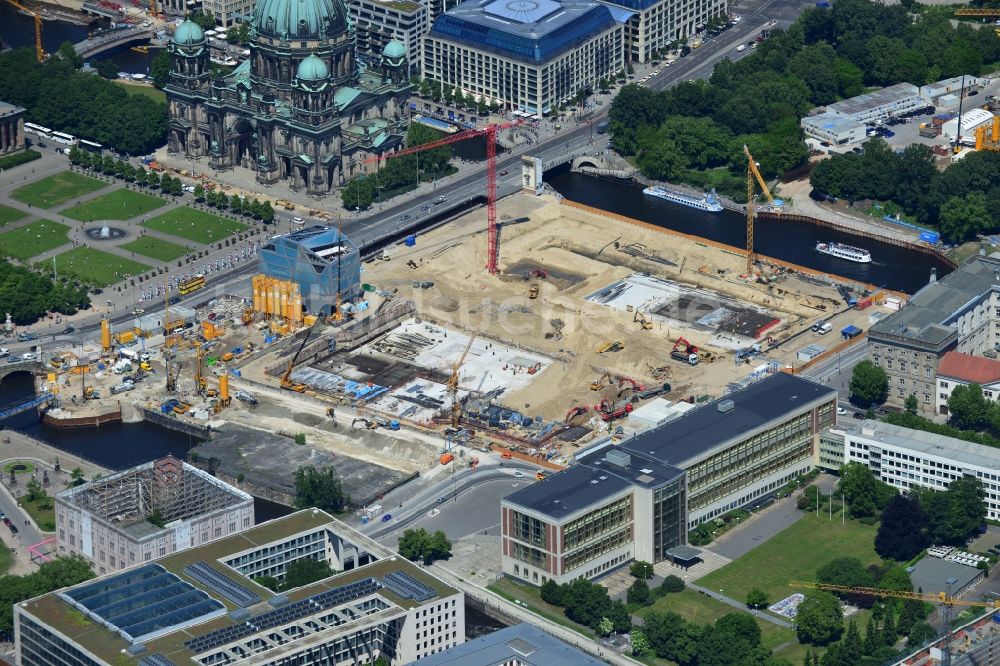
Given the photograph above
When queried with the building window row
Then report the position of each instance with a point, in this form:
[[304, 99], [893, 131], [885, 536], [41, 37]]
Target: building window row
[[597, 523]]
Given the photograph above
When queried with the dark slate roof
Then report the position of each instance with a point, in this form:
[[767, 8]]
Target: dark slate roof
[[527, 644], [569, 491], [701, 430]]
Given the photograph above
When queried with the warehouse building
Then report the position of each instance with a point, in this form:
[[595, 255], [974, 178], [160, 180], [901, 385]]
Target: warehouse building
[[636, 500], [322, 262], [906, 458], [204, 606], [956, 87], [959, 312], [531, 56], [655, 24], [879, 105], [972, 120], [835, 129], [146, 512], [379, 23]]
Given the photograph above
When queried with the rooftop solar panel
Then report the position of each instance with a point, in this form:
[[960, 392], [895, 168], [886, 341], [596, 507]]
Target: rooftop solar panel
[[142, 603], [239, 594], [155, 660], [408, 587]]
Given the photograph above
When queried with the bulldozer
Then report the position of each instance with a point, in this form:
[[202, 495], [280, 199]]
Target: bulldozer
[[615, 346]]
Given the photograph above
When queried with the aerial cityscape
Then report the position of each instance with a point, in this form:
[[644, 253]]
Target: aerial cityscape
[[499, 332]]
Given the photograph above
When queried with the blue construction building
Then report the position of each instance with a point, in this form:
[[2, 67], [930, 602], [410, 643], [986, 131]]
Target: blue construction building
[[317, 258]]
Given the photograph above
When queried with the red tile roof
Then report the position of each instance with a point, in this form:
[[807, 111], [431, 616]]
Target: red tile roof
[[968, 368]]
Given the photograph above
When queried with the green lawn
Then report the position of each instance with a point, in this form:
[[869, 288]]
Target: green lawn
[[794, 554], [33, 239], [147, 91], [8, 215], [156, 248], [56, 189], [118, 205], [529, 596], [194, 225], [96, 267], [44, 517]]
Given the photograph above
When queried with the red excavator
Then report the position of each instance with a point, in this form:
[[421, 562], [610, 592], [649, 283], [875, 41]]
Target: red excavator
[[685, 352], [579, 410], [609, 411]]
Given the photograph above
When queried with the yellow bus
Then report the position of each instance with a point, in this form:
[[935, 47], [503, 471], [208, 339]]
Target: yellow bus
[[191, 285]]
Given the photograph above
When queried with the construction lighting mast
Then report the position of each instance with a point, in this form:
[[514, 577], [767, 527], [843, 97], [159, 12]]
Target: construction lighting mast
[[39, 52], [753, 175], [490, 132], [456, 408]]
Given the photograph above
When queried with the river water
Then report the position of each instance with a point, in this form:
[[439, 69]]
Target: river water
[[892, 267], [18, 30]]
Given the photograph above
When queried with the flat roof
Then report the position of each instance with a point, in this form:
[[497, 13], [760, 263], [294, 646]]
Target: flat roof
[[569, 491], [317, 236], [684, 553], [699, 431], [928, 443], [931, 573], [929, 316], [533, 31], [8, 109], [831, 121], [525, 643], [873, 100], [109, 645]]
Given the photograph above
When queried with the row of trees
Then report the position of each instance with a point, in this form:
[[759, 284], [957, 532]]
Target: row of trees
[[827, 54], [963, 200], [433, 90], [56, 95], [59, 573], [401, 174], [420, 545], [732, 639], [28, 295], [258, 210]]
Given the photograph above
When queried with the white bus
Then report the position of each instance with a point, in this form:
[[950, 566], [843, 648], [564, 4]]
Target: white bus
[[31, 128], [90, 146], [63, 138]]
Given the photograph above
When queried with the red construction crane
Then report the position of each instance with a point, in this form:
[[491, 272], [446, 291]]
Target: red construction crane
[[490, 132]]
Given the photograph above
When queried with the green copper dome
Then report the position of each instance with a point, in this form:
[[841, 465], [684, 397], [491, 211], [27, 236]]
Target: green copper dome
[[301, 19], [312, 69], [189, 33], [394, 50]]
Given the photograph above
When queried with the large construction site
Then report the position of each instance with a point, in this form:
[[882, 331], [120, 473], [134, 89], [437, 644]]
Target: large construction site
[[594, 325]]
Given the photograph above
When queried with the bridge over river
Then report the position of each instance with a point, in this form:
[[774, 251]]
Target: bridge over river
[[110, 40]]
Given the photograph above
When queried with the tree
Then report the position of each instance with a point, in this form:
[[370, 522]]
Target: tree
[[819, 620], [756, 598], [420, 545], [425, 88], [305, 571], [56, 574], [846, 571], [620, 616], [955, 514], [266, 212], [320, 489], [641, 570], [35, 490], [550, 591], [963, 217], [869, 384], [638, 593], [67, 52], [605, 627], [672, 584], [921, 633], [159, 69], [968, 407], [640, 644], [77, 476], [865, 495], [586, 603], [106, 69], [902, 532], [199, 192], [270, 582], [910, 404], [205, 20], [670, 636]]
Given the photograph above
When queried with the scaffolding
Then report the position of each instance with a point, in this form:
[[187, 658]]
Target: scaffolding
[[172, 489]]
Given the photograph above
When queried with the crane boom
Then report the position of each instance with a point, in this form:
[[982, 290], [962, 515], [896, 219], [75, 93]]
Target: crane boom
[[286, 383], [940, 597], [490, 132], [39, 52], [456, 408], [753, 174]]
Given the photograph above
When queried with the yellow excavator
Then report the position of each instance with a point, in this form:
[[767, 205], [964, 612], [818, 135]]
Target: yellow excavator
[[643, 322]]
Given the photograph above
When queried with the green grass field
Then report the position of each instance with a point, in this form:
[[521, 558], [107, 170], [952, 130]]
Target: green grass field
[[156, 248], [56, 189], [8, 215], [44, 517], [147, 91], [33, 239], [194, 225], [118, 205], [529, 595], [96, 267], [794, 554]]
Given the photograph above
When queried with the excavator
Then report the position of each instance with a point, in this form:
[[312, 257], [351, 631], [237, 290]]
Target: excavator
[[685, 352], [574, 412], [615, 346], [286, 382], [605, 380], [643, 322], [626, 384]]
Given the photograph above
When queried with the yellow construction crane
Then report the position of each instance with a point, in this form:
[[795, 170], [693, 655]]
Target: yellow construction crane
[[39, 52], [456, 407], [753, 175], [978, 12], [199, 376], [286, 379], [941, 597]]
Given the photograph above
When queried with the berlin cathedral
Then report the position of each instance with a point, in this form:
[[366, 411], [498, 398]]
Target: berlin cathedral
[[301, 109]]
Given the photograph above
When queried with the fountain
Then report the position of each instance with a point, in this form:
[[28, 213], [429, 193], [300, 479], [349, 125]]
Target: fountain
[[105, 232]]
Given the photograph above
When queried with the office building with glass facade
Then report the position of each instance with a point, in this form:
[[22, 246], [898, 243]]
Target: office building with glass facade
[[207, 606], [656, 24], [531, 56], [320, 260], [637, 500]]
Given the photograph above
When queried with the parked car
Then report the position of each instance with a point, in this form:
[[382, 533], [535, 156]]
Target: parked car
[[442, 500], [841, 411], [138, 311], [741, 47], [68, 330], [518, 475], [405, 218]]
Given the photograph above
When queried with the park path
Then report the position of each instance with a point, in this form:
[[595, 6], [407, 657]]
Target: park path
[[718, 596]]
